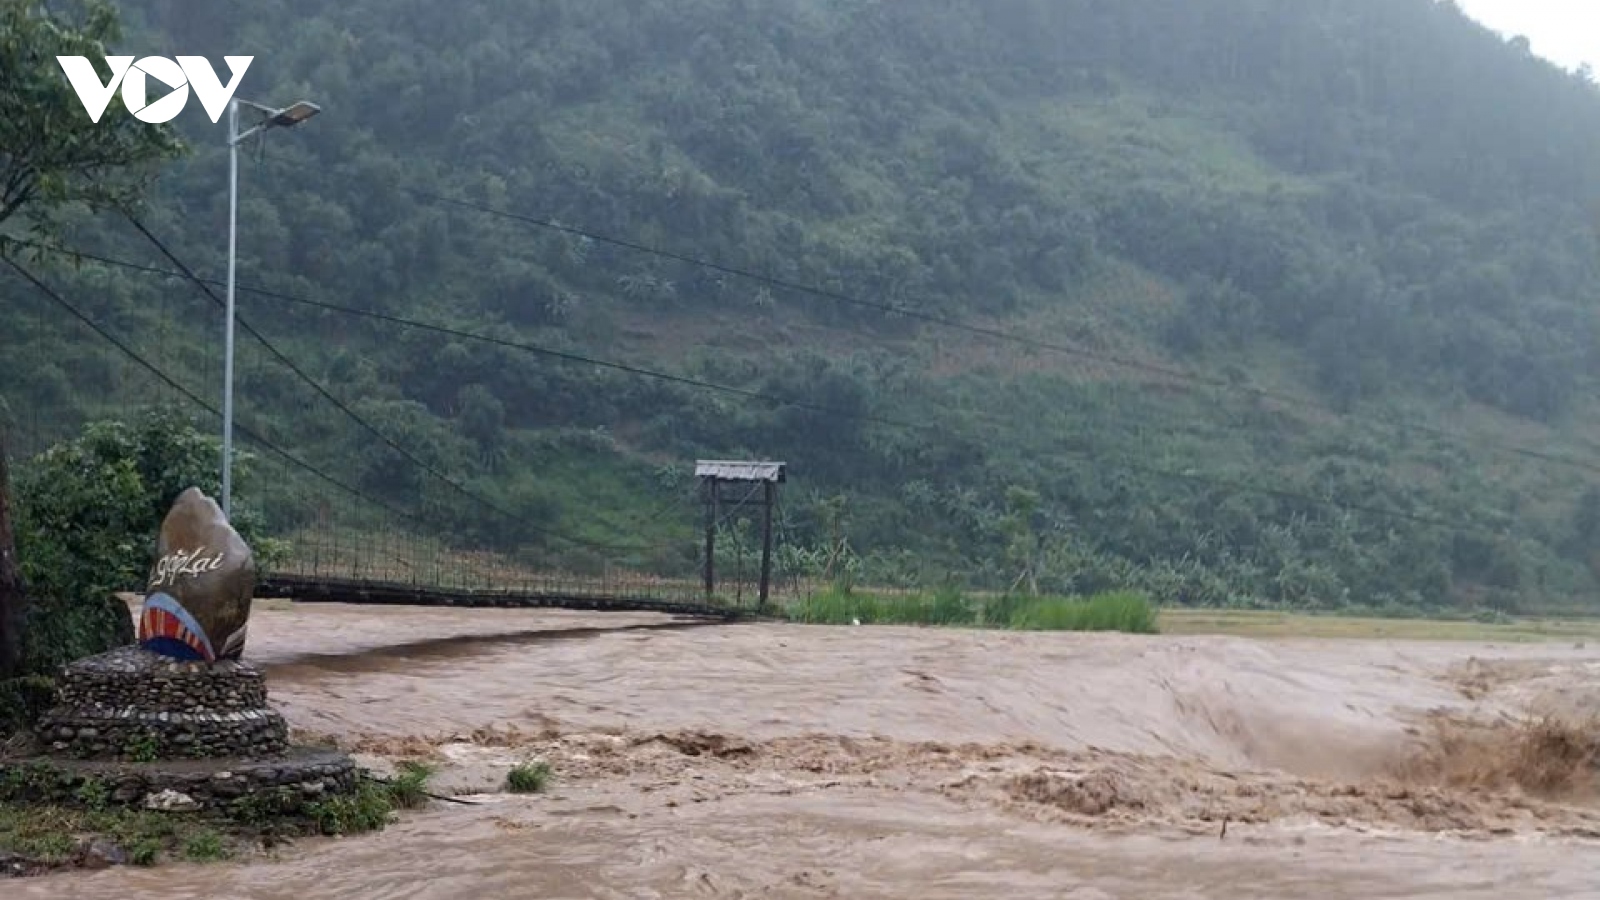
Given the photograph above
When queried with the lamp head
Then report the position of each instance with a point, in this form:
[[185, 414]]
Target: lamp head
[[294, 115]]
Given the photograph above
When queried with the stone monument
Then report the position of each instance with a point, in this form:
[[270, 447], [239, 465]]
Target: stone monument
[[183, 692], [198, 605]]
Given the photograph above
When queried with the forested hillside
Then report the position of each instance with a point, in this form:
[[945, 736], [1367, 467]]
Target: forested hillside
[[1240, 302]]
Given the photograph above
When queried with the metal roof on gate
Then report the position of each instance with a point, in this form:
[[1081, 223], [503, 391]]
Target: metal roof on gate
[[775, 472]]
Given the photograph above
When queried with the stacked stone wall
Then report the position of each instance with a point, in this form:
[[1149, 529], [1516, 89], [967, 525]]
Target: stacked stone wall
[[292, 783], [133, 704]]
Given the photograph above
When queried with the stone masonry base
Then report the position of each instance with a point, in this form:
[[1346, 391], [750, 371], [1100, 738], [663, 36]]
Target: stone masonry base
[[135, 705]]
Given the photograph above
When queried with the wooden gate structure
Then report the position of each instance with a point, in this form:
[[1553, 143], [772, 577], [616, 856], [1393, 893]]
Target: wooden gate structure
[[762, 476]]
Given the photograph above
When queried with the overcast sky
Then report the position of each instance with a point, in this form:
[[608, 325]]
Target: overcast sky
[[1567, 32]]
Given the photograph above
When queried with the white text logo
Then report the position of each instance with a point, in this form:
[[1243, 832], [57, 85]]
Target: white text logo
[[184, 562], [133, 77]]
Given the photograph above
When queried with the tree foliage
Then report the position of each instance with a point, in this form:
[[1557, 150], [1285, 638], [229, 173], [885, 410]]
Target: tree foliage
[[89, 512], [13, 599], [51, 154]]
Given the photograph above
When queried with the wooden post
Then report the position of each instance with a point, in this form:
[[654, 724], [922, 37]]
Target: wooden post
[[13, 596], [711, 536], [766, 546], [713, 474]]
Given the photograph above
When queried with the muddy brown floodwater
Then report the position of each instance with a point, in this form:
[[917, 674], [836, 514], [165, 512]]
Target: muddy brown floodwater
[[782, 761]]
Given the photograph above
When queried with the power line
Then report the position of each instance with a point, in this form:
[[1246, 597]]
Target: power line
[[353, 415], [1156, 471], [548, 352], [193, 398], [534, 349], [981, 331], [181, 389]]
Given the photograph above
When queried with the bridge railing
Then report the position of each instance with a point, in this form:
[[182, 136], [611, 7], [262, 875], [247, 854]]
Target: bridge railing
[[394, 569]]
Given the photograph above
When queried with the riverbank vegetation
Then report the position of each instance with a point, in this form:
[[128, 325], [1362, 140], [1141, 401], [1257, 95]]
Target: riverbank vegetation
[[92, 832]]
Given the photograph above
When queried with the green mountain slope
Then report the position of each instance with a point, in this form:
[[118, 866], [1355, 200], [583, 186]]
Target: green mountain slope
[[1366, 229]]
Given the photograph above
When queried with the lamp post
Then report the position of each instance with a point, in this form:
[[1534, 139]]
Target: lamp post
[[288, 117]]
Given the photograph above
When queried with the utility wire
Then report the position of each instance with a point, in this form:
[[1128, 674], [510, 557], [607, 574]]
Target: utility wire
[[982, 331], [181, 389], [1193, 477], [534, 349], [570, 357], [564, 356], [192, 397], [356, 417]]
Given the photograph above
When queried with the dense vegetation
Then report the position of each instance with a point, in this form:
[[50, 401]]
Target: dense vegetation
[[52, 819], [1375, 206], [84, 527]]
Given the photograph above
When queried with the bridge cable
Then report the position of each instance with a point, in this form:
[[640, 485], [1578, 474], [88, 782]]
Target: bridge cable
[[203, 404], [192, 397], [548, 352], [357, 418], [535, 349]]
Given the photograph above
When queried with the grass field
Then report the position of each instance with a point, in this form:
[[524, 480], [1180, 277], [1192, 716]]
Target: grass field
[[1256, 624], [1126, 612]]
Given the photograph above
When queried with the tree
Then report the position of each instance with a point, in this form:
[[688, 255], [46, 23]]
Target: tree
[[88, 515], [832, 559], [13, 597], [482, 417], [1024, 542], [51, 154]]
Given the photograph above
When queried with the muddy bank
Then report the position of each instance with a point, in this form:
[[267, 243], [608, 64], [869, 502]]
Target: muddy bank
[[741, 761]]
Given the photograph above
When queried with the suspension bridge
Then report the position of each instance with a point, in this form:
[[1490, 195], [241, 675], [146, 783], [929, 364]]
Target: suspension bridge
[[389, 575], [362, 513]]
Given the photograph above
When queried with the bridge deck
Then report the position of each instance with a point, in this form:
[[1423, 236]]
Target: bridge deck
[[302, 589]]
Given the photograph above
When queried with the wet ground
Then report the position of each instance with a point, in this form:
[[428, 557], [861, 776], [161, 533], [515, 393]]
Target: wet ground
[[782, 761]]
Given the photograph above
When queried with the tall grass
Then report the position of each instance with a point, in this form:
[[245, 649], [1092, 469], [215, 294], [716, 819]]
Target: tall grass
[[1122, 611], [842, 606], [409, 787]]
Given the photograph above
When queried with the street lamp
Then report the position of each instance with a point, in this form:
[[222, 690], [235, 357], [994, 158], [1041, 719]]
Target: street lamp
[[288, 117]]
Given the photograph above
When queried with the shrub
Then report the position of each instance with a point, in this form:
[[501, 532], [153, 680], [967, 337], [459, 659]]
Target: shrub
[[88, 513], [368, 808], [23, 701], [205, 846], [408, 789], [529, 778]]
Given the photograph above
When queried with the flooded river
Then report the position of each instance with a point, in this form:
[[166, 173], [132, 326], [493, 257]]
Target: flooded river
[[782, 761]]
